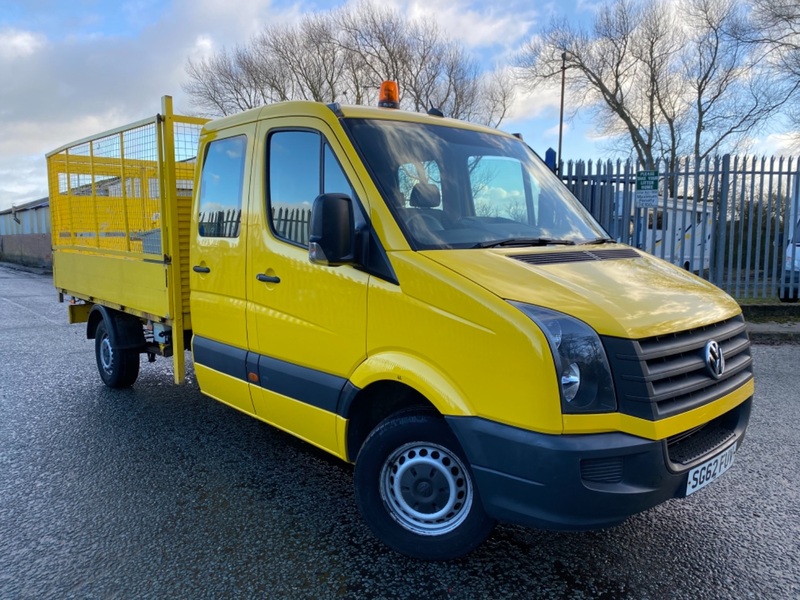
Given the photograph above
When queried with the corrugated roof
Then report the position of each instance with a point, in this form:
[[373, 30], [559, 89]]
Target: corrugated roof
[[27, 206]]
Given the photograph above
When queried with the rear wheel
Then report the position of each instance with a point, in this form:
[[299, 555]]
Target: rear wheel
[[416, 492], [118, 367]]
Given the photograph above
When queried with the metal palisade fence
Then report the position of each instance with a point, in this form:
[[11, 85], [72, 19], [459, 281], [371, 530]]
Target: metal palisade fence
[[733, 220]]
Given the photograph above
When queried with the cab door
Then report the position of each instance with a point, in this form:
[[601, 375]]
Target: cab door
[[217, 268], [309, 321]]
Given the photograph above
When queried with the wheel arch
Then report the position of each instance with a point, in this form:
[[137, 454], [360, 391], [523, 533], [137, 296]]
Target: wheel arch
[[375, 403], [124, 331], [390, 383]]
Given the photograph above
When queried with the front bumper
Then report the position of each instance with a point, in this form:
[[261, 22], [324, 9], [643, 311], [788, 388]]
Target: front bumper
[[584, 481]]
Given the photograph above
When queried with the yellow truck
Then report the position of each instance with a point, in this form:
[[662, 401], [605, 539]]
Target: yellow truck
[[416, 295]]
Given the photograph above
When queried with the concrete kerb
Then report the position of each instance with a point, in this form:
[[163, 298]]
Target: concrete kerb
[[773, 323]]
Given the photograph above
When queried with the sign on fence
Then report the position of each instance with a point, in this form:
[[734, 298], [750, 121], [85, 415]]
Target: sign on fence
[[647, 189]]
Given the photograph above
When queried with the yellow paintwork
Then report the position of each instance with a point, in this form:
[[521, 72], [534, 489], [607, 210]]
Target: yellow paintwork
[[463, 348], [230, 390], [218, 301], [120, 202], [114, 280], [315, 317], [314, 425], [658, 430], [651, 297], [78, 313], [446, 331]]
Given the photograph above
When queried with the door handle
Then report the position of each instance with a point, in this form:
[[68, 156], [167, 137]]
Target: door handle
[[268, 278], [199, 269]]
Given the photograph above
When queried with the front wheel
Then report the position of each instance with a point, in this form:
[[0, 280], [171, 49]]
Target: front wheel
[[416, 492], [118, 367]]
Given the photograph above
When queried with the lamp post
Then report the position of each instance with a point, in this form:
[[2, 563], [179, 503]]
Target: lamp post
[[561, 115]]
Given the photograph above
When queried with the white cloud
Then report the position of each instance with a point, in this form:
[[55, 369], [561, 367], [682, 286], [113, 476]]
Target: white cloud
[[59, 90], [21, 180], [545, 99], [777, 144], [553, 131], [498, 194], [15, 43], [591, 6], [476, 25], [203, 46]]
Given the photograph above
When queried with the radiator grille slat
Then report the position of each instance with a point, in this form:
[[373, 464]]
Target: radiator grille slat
[[666, 375]]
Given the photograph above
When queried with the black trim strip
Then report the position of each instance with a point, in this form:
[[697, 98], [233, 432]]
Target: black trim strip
[[309, 386], [349, 392], [301, 383], [220, 357]]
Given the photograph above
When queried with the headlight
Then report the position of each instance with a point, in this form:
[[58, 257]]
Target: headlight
[[581, 363]]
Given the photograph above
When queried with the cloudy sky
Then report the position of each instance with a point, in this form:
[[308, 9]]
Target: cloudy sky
[[70, 68]]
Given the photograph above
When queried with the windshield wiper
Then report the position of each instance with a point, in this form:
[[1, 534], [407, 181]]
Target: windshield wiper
[[524, 241], [598, 241]]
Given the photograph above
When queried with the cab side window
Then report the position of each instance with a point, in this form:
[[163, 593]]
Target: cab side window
[[301, 167], [221, 185]]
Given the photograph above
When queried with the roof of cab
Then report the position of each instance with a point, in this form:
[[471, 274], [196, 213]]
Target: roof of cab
[[325, 112]]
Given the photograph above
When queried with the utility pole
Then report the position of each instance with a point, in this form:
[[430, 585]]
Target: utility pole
[[561, 115]]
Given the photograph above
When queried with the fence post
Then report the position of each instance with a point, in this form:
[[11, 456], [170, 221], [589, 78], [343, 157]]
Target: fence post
[[720, 222]]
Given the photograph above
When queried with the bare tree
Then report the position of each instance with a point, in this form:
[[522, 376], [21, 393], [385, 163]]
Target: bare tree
[[777, 24], [613, 69], [775, 29], [732, 91], [306, 60], [225, 83], [668, 77], [344, 56]]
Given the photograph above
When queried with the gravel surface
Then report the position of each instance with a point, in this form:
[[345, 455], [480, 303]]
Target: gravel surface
[[161, 492]]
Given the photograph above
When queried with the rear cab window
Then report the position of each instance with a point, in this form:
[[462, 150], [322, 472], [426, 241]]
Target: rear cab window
[[221, 183]]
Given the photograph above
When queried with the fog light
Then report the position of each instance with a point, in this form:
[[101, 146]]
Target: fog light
[[571, 382]]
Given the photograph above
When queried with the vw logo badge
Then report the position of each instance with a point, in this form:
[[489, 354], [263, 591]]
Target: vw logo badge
[[715, 359]]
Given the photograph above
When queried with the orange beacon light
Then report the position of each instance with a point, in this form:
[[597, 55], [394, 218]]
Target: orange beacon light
[[389, 96]]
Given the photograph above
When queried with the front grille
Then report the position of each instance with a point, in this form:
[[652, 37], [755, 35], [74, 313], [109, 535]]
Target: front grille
[[662, 376], [555, 258]]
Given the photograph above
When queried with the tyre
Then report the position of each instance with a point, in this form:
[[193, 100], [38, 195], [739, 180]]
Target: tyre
[[118, 368], [415, 490]]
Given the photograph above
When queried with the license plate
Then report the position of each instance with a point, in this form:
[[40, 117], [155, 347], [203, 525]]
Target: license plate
[[701, 476]]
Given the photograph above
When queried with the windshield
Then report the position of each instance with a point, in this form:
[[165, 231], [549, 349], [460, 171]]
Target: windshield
[[456, 188]]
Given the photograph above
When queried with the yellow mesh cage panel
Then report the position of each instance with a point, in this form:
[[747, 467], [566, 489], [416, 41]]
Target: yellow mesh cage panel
[[105, 192]]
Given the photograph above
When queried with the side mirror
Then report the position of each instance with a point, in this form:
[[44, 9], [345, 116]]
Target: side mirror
[[331, 238]]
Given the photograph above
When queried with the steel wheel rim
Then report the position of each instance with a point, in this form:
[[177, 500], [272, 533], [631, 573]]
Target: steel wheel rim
[[426, 488], [106, 353]]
